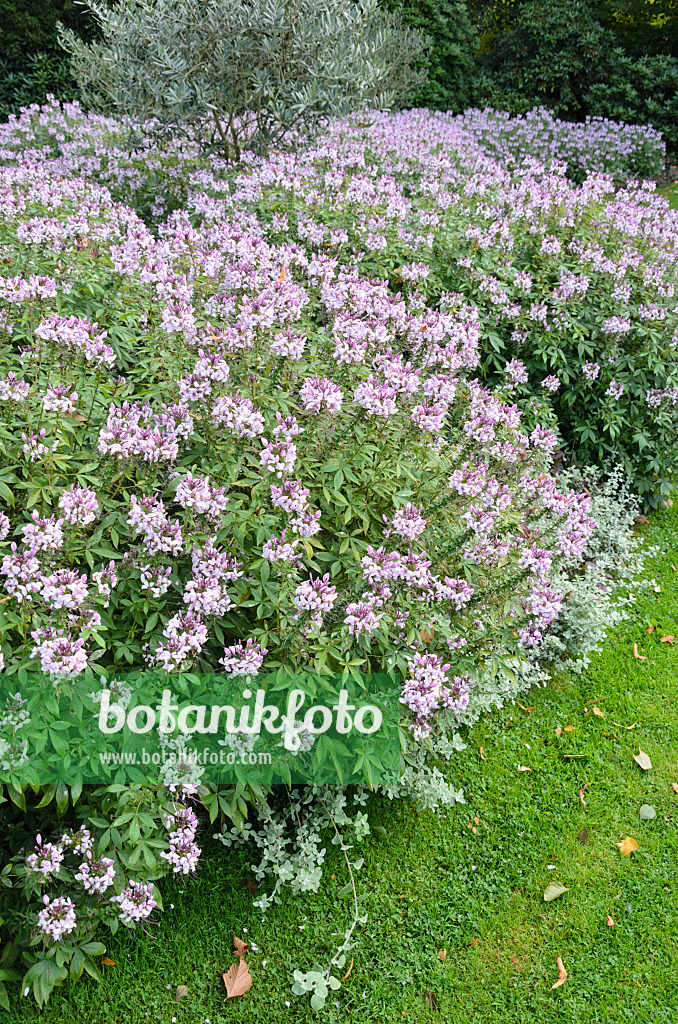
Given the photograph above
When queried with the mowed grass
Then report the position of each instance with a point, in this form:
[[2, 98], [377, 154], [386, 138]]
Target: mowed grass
[[671, 193], [431, 883]]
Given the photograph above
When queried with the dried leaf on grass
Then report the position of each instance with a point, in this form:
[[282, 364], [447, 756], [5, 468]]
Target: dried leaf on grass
[[628, 846], [553, 891], [442, 955], [642, 759], [107, 960], [583, 837], [523, 768], [668, 639], [562, 974], [569, 728], [181, 992], [237, 980], [674, 787], [610, 922], [581, 794]]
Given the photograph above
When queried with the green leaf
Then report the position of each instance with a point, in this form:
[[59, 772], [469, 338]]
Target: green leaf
[[43, 976]]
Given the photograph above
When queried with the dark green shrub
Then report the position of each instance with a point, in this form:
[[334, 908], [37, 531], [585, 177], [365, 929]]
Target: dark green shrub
[[643, 91], [454, 42], [545, 55], [29, 26], [643, 27], [29, 79]]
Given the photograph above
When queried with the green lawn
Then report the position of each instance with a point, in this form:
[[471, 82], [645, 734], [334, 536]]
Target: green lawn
[[432, 884], [671, 193]]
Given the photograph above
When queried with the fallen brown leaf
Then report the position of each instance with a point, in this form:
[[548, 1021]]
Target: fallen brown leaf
[[562, 974], [426, 636], [483, 757], [529, 710], [181, 992], [674, 787], [583, 837], [442, 955], [597, 711], [474, 942], [668, 639], [523, 768], [237, 980], [650, 629], [626, 726], [581, 794], [239, 946], [107, 960], [568, 728], [643, 760], [628, 846], [610, 922], [477, 820], [282, 275], [640, 657], [251, 886]]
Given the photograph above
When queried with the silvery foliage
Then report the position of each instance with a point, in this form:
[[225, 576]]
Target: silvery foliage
[[613, 559], [247, 71], [421, 781], [290, 836]]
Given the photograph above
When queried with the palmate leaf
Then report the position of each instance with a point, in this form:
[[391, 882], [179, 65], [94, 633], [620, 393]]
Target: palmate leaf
[[42, 977]]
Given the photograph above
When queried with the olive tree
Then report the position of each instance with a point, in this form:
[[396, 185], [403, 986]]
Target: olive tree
[[249, 71]]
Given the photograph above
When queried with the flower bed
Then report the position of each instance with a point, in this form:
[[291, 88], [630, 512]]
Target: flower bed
[[255, 435]]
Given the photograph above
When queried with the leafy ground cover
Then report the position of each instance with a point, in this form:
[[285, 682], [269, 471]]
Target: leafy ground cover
[[458, 929]]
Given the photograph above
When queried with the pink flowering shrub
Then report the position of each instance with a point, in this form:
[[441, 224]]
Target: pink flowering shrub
[[574, 286], [267, 433], [261, 458]]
